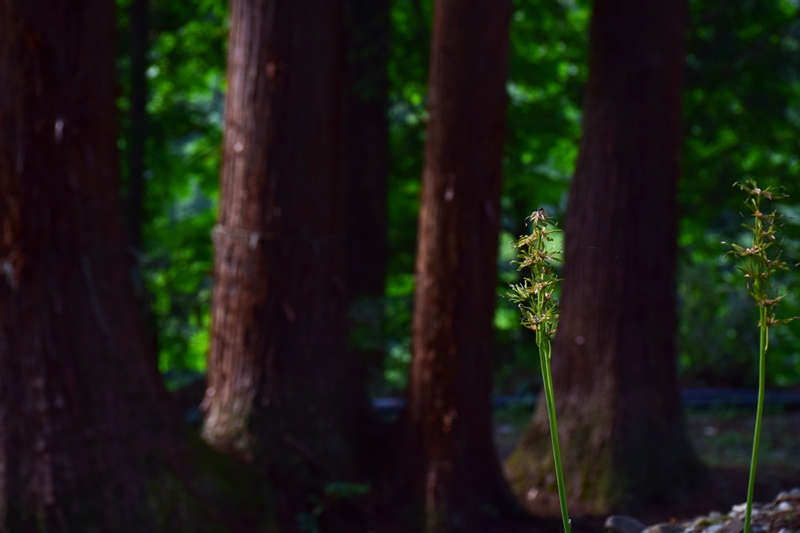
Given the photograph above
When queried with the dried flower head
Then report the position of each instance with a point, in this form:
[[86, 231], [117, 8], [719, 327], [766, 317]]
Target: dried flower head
[[761, 260], [536, 294]]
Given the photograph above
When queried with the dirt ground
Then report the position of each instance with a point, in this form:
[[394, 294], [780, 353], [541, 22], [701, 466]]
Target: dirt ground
[[723, 438]]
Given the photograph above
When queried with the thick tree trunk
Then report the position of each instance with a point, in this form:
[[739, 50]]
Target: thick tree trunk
[[450, 420], [366, 168], [614, 363], [282, 389], [87, 439]]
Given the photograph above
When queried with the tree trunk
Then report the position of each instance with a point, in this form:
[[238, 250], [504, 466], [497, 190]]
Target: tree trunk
[[367, 167], [450, 422], [615, 363], [282, 387], [87, 439], [139, 28]]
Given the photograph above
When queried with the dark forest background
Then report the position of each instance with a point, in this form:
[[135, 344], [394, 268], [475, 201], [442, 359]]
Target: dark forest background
[[740, 122], [256, 255]]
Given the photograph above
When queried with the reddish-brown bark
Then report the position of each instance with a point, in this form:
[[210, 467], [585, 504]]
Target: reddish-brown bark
[[450, 422], [85, 431], [614, 363], [282, 389]]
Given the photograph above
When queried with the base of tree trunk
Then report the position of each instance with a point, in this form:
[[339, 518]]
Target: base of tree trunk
[[224, 492], [609, 465]]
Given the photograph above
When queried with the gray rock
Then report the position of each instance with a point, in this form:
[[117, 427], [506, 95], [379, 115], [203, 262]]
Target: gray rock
[[741, 509], [714, 519], [788, 495], [766, 518], [620, 523], [734, 525], [666, 527], [785, 506]]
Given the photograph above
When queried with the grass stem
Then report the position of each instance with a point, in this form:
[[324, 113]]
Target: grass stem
[[762, 371], [758, 267], [539, 307], [544, 355]]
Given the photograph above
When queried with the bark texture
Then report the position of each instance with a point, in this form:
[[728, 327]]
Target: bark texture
[[366, 155], [450, 422], [86, 437], [282, 387], [615, 362]]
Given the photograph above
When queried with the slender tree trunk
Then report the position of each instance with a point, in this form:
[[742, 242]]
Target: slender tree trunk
[[366, 168], [615, 368], [282, 389], [87, 440], [139, 28], [450, 420]]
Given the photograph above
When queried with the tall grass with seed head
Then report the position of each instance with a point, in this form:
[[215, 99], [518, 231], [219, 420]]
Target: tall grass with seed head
[[759, 262], [539, 306]]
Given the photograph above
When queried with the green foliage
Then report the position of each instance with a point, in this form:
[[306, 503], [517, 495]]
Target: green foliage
[[742, 120], [187, 81], [741, 109], [408, 73], [186, 88], [548, 72]]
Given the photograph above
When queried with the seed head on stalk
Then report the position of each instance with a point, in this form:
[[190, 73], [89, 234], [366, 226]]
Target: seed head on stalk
[[535, 295], [539, 305], [761, 260], [758, 266]]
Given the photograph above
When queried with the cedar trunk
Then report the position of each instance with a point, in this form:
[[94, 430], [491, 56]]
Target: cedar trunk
[[615, 364], [87, 441], [282, 387], [134, 201], [450, 422], [366, 170]]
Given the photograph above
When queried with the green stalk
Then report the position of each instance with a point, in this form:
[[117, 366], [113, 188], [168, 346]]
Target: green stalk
[[762, 370], [539, 307], [758, 267], [545, 351]]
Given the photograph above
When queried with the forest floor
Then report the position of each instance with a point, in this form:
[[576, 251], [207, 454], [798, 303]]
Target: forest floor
[[723, 439], [721, 436]]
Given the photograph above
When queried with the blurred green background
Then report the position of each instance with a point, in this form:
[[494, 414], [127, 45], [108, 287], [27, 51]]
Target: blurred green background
[[742, 113]]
